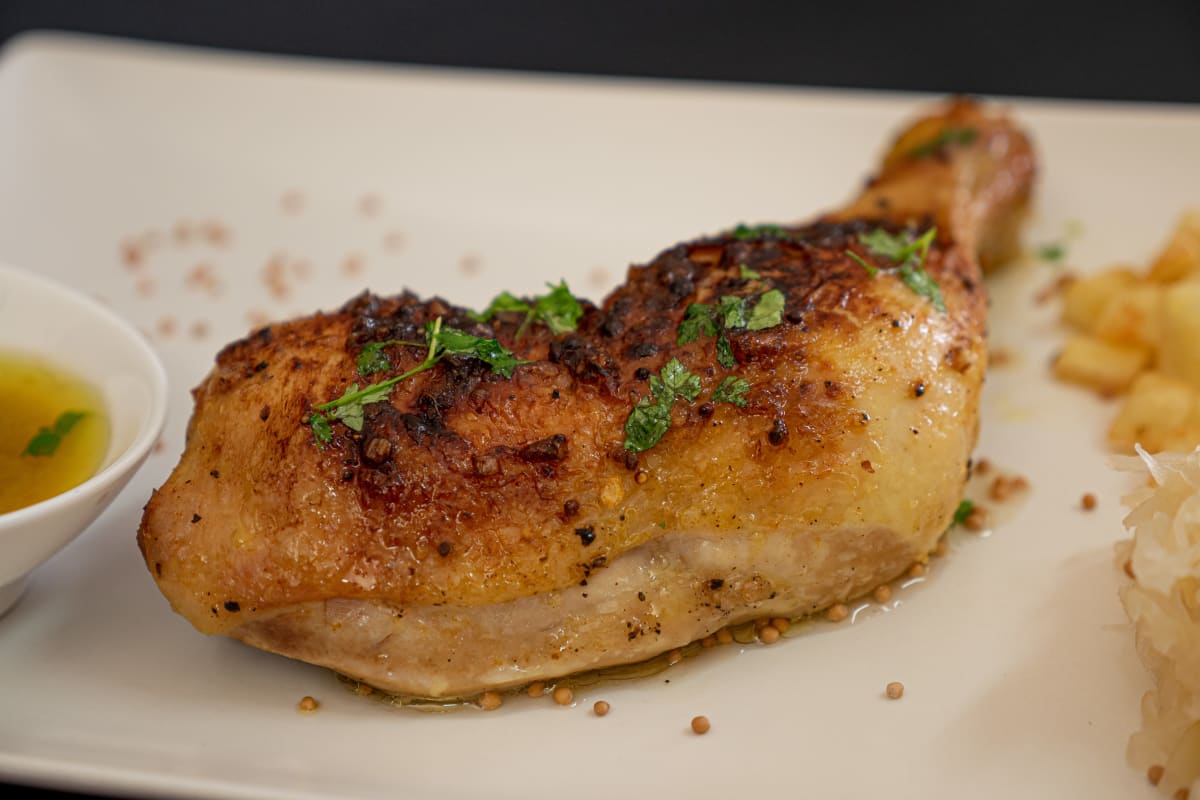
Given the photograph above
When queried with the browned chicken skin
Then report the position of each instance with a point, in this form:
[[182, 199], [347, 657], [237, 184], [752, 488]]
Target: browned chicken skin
[[483, 532]]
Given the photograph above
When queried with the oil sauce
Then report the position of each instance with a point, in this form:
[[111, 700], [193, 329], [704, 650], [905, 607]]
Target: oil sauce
[[34, 396]]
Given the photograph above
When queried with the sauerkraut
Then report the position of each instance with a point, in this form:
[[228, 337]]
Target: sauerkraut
[[1163, 603]]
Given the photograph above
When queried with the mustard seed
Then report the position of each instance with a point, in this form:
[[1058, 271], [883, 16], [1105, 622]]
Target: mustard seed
[[600, 708], [708, 641], [701, 725], [1088, 501], [769, 635], [1001, 488], [724, 636], [977, 520], [917, 570], [490, 701], [781, 624], [563, 695], [895, 690], [674, 657], [882, 593], [536, 689], [837, 613], [307, 705]]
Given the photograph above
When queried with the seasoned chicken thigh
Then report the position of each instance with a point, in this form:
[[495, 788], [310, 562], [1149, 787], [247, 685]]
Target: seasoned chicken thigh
[[487, 527]]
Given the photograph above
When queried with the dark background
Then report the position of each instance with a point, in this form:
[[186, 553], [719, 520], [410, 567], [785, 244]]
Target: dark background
[[1134, 50], [1148, 50]]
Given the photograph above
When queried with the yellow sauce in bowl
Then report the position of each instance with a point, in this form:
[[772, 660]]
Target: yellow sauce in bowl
[[53, 431]]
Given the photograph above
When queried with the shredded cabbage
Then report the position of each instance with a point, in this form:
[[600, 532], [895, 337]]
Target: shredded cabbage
[[1163, 603]]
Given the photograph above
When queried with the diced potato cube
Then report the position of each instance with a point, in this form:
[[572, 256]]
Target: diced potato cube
[[1106, 367], [1085, 298], [1158, 413], [1179, 347], [1181, 256], [1133, 316]]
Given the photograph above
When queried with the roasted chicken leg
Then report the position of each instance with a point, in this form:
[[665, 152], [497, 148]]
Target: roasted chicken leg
[[482, 531]]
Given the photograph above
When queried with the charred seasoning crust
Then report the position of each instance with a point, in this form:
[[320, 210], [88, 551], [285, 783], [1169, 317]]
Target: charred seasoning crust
[[465, 460]]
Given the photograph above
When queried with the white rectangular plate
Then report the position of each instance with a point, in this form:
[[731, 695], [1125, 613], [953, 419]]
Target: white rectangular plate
[[200, 193]]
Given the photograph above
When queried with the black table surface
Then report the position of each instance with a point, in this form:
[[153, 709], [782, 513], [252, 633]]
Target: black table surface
[[1146, 51]]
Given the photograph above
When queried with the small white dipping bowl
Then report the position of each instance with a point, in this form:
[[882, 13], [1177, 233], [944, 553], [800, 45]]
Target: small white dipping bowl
[[49, 321]]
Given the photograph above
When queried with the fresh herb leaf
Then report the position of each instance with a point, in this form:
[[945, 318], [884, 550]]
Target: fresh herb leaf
[[558, 310], [697, 321], [922, 283], [894, 247], [730, 314], [372, 359], [322, 432], [908, 257], [946, 137], [46, 441], [732, 389], [747, 274], [440, 342], [733, 311], [351, 411], [351, 415], [743, 231], [767, 312], [451, 341], [505, 301], [646, 424], [43, 443], [66, 421], [677, 381], [651, 417], [1053, 251], [862, 262], [725, 352], [962, 512]]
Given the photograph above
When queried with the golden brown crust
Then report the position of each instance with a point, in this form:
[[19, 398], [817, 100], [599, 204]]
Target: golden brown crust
[[469, 489]]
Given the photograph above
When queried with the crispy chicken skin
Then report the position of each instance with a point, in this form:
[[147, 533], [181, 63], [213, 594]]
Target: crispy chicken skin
[[482, 532]]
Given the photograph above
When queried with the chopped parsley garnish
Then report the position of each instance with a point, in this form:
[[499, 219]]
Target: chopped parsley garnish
[[946, 137], [767, 312], [646, 425], [558, 310], [733, 311], [747, 274], [46, 441], [322, 431], [732, 389], [743, 231], [651, 417], [1053, 251], [730, 313], [372, 359], [675, 381], [698, 321], [962, 512], [908, 260], [725, 352], [441, 342]]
